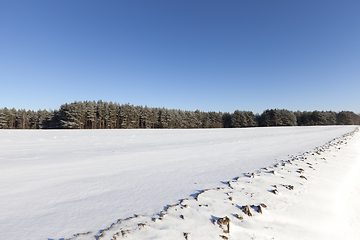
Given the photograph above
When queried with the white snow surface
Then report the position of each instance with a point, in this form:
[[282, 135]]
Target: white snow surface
[[56, 183]]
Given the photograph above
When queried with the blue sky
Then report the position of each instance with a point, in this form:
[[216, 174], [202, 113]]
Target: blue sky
[[207, 55]]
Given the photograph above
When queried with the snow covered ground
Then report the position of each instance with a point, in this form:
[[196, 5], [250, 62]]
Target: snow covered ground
[[55, 184]]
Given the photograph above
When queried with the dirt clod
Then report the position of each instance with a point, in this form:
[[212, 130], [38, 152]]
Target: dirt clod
[[197, 196], [303, 177], [246, 210], [224, 223], [290, 187], [263, 205], [229, 183], [300, 170], [142, 224]]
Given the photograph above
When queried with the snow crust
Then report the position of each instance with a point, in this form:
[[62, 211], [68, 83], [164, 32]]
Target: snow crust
[[58, 183]]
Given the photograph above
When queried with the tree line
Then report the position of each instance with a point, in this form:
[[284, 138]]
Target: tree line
[[109, 115]]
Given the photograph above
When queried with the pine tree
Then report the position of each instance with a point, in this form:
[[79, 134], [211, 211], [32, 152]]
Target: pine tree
[[251, 120], [226, 120], [3, 122], [113, 115], [238, 119], [277, 117], [90, 115], [70, 116], [343, 118], [22, 121], [330, 118], [318, 118]]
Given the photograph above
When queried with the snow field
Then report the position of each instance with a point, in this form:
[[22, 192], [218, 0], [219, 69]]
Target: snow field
[[304, 197], [55, 184]]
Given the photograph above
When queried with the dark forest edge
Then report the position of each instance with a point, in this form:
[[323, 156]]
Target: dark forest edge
[[108, 115]]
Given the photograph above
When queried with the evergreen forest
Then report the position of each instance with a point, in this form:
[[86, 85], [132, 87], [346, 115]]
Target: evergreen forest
[[109, 115]]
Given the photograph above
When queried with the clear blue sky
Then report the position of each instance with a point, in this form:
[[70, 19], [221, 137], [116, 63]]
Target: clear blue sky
[[181, 54]]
